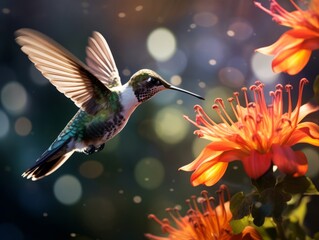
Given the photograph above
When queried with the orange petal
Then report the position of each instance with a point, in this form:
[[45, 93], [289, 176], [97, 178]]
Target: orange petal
[[206, 155], [209, 173], [302, 164], [211, 151], [314, 6], [288, 161], [304, 110], [306, 132], [251, 233], [286, 41], [291, 60], [223, 145], [291, 39], [221, 210], [311, 128], [303, 33], [256, 164]]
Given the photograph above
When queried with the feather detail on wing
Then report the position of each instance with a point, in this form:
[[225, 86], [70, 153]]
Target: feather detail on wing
[[101, 62], [68, 74]]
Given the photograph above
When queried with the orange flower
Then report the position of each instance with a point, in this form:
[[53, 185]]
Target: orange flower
[[210, 223], [293, 49], [262, 135]]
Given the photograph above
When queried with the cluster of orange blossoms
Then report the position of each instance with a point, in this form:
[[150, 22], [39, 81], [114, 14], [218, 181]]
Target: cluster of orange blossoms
[[209, 223], [293, 49], [260, 136]]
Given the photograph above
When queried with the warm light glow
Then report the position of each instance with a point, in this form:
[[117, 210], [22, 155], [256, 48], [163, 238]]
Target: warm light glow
[[176, 80]]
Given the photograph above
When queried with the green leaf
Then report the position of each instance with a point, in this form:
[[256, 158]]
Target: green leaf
[[240, 205], [239, 225], [311, 190], [299, 185], [299, 213], [294, 231]]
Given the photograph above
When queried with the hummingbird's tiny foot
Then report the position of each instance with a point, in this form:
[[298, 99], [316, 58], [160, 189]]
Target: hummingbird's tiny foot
[[89, 150], [100, 148]]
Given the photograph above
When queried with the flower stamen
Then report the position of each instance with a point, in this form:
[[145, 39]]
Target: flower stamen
[[258, 132]]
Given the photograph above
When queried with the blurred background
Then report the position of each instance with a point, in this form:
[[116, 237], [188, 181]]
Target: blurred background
[[205, 46]]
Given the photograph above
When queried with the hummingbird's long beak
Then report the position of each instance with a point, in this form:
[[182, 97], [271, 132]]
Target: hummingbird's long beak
[[185, 91]]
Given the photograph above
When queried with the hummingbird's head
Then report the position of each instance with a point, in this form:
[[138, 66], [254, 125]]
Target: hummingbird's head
[[146, 83]]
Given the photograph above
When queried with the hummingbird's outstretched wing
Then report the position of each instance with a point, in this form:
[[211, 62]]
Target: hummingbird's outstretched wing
[[101, 62], [67, 73]]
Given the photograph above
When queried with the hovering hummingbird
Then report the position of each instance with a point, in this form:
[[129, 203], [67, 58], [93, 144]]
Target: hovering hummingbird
[[105, 104]]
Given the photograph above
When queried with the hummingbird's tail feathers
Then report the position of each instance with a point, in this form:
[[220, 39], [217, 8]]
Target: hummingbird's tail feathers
[[50, 161]]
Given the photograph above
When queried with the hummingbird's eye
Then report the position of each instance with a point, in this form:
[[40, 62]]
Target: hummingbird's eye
[[154, 81]]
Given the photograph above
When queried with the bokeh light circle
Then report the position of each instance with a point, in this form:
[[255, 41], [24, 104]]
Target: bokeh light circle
[[23, 126], [139, 8], [137, 199], [121, 14], [175, 65], [91, 169], [176, 80], [4, 124], [210, 51], [231, 77], [205, 19], [170, 126], [313, 157], [14, 97], [261, 66], [240, 30], [161, 44], [67, 189], [149, 173]]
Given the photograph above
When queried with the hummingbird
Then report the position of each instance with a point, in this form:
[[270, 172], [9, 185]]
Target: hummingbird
[[105, 105]]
